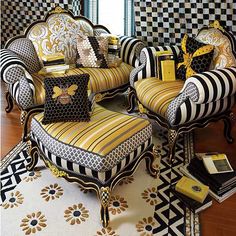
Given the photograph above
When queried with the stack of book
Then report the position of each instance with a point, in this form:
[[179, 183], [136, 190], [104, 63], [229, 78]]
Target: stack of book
[[54, 63], [221, 185]]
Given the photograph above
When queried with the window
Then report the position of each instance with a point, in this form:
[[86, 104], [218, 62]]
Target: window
[[111, 14], [116, 15]]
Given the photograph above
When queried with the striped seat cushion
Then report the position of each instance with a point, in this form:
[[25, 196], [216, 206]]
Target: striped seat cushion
[[100, 79], [99, 148], [156, 95]]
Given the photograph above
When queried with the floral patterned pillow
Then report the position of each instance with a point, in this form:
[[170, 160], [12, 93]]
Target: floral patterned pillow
[[92, 51]]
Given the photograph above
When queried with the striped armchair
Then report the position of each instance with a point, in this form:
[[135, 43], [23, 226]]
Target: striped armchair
[[180, 106], [21, 60]]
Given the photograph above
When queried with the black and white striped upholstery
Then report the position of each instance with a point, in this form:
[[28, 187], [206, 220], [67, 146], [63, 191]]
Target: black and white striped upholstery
[[102, 176], [213, 85], [130, 50], [203, 95], [148, 62], [10, 60], [14, 73]]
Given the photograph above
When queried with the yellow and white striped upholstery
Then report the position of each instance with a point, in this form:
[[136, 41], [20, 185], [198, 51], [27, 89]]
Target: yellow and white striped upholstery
[[156, 95], [99, 148], [100, 79]]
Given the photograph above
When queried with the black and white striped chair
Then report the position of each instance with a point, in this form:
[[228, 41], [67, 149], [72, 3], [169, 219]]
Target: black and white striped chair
[[180, 106]]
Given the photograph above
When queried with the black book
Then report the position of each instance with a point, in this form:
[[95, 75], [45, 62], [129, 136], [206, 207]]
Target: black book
[[193, 205], [219, 191], [55, 62], [219, 181]]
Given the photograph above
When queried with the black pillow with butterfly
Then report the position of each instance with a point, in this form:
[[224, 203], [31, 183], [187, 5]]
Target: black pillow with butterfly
[[66, 99], [92, 51]]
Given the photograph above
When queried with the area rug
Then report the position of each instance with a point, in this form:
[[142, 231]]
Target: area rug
[[37, 203]]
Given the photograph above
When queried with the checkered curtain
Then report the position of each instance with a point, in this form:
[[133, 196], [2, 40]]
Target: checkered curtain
[[163, 22], [18, 14]]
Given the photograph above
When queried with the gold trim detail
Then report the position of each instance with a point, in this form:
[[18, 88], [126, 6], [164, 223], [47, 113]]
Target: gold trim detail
[[58, 10], [22, 117], [99, 96], [55, 171], [141, 108], [216, 25], [105, 193]]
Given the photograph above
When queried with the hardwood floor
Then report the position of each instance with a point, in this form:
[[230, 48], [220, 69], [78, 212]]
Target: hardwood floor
[[218, 220]]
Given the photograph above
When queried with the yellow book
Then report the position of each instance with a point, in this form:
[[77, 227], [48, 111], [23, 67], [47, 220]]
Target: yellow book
[[192, 189], [168, 70], [53, 57]]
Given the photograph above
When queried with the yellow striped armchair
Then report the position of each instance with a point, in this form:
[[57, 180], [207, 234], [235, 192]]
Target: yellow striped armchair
[[183, 105]]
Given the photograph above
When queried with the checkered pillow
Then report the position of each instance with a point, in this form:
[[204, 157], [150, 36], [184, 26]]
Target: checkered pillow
[[92, 51]]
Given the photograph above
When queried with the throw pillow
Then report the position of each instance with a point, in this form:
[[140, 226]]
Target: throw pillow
[[195, 57], [66, 99], [92, 51], [114, 46]]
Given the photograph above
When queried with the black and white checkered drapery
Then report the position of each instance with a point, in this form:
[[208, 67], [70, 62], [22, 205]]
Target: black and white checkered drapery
[[163, 22], [18, 14]]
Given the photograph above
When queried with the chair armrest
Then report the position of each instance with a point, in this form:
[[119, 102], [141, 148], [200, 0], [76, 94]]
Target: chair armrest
[[211, 86], [12, 68], [148, 62], [130, 50]]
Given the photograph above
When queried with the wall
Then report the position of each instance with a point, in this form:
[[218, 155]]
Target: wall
[[16, 15], [165, 21]]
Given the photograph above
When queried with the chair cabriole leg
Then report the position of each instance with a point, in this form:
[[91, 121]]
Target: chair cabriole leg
[[34, 153], [172, 138], [10, 102], [227, 127], [150, 160], [131, 100], [104, 195]]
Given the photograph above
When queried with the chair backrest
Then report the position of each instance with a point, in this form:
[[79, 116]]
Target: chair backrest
[[224, 42], [58, 31]]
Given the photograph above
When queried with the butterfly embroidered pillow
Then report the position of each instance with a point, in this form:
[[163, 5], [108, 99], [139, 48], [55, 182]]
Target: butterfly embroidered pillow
[[66, 99], [92, 51], [195, 57]]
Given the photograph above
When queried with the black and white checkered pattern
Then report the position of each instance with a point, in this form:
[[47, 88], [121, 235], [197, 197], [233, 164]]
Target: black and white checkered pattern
[[165, 22], [18, 14], [76, 168]]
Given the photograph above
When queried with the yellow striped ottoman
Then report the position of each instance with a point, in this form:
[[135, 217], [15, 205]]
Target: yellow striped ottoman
[[96, 154]]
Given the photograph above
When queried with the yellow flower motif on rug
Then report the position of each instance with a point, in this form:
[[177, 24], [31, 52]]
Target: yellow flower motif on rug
[[32, 176], [150, 195], [33, 222], [146, 226], [126, 180], [76, 214], [15, 199], [51, 192], [117, 205], [106, 232]]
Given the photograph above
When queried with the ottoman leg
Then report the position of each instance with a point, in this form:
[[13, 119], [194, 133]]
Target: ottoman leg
[[150, 159], [34, 153], [104, 194]]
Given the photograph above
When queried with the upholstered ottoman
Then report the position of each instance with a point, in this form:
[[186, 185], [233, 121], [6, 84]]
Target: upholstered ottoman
[[96, 154]]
